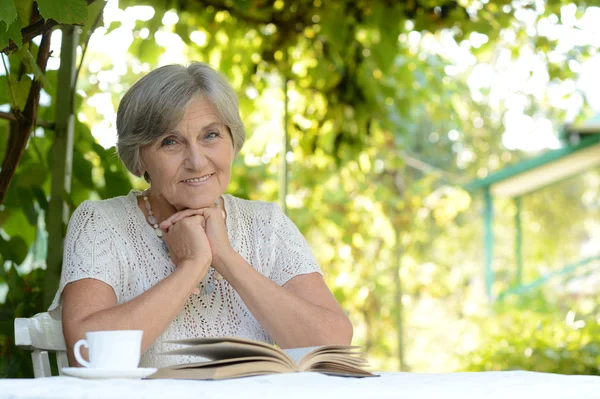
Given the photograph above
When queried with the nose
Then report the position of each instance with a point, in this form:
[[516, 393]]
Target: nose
[[195, 158]]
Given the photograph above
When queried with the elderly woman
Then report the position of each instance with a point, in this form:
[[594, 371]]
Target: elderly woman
[[183, 259]]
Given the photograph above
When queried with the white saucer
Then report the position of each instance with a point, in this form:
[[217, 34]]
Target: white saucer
[[91, 373]]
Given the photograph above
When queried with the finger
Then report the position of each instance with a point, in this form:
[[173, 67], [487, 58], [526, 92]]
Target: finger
[[165, 224], [176, 217], [193, 220], [186, 214], [170, 220]]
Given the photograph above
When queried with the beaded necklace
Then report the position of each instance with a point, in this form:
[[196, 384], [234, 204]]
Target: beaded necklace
[[211, 279]]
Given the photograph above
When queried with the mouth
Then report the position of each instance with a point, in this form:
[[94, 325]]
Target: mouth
[[198, 179]]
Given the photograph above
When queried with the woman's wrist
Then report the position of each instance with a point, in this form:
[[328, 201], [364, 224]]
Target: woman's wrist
[[223, 261], [197, 267]]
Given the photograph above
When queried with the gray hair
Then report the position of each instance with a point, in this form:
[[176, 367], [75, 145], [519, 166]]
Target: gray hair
[[157, 102]]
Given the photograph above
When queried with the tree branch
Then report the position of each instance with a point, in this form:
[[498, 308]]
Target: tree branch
[[11, 117], [21, 128], [31, 31]]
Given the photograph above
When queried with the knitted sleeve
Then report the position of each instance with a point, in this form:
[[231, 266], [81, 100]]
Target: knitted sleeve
[[89, 252], [290, 253]]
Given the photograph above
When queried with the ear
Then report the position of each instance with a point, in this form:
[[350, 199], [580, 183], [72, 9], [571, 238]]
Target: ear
[[142, 169]]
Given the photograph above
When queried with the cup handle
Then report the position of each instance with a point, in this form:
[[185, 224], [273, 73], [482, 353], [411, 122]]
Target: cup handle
[[76, 352]]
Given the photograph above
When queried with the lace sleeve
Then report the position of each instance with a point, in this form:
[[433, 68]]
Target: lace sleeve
[[290, 252], [89, 252]]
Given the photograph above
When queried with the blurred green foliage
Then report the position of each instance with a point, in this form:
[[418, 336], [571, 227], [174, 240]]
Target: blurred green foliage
[[24, 298], [377, 127], [543, 338]]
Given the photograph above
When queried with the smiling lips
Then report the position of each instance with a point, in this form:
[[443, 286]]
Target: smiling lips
[[198, 179]]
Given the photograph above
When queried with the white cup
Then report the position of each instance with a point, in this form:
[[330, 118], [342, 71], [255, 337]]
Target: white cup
[[117, 350]]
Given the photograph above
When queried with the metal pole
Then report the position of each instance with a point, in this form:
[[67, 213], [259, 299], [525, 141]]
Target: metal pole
[[518, 242], [489, 242], [62, 161]]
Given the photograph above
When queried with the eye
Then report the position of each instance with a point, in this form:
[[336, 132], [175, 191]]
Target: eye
[[212, 135], [168, 142]]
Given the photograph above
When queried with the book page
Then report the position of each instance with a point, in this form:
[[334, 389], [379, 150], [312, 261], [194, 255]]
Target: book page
[[332, 359], [297, 354], [304, 356], [216, 340], [224, 371], [335, 368], [325, 358], [219, 363], [232, 350]]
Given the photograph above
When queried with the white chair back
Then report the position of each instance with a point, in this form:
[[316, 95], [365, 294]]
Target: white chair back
[[42, 334]]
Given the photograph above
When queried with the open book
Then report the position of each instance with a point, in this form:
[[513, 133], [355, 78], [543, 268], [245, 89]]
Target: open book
[[238, 357]]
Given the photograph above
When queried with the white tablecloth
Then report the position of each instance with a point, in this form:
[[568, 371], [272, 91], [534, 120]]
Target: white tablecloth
[[488, 385]]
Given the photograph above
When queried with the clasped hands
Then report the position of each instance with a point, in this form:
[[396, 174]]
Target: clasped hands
[[198, 236]]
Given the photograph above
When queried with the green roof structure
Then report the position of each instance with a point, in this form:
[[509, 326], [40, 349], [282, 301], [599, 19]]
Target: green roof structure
[[579, 152]]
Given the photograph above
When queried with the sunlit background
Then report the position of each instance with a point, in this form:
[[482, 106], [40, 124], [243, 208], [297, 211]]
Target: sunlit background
[[508, 82], [399, 239]]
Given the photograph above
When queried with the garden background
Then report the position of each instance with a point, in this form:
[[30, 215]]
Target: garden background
[[365, 120]]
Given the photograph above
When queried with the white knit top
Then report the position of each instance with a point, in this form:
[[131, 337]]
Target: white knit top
[[111, 241]]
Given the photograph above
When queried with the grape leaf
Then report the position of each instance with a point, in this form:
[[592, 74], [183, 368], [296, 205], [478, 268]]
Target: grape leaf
[[21, 90], [8, 13], [12, 32], [23, 8], [4, 91], [64, 11], [32, 66]]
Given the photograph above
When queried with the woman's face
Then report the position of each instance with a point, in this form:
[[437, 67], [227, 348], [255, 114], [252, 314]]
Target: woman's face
[[191, 166]]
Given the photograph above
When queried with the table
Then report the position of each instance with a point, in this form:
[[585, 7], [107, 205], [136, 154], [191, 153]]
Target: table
[[486, 385]]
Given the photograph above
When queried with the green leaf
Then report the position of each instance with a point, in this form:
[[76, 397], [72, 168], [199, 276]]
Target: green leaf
[[19, 249], [94, 9], [14, 281], [17, 224], [4, 95], [79, 193], [32, 66], [14, 249], [27, 206], [8, 12], [82, 169], [21, 90], [117, 182], [24, 8], [40, 196], [101, 151], [33, 175], [64, 11], [10, 32]]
